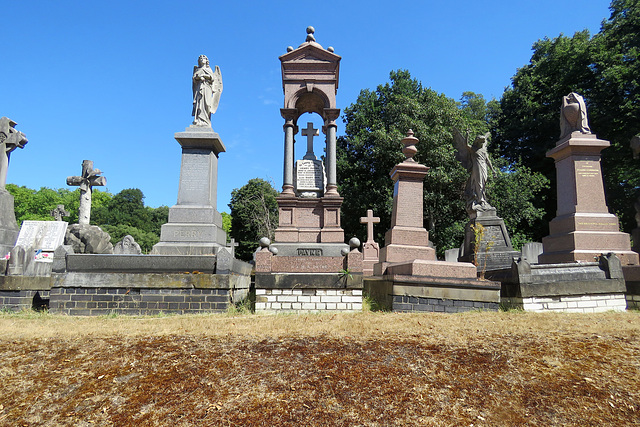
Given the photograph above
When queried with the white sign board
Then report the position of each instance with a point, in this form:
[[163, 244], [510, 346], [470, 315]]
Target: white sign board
[[43, 235]]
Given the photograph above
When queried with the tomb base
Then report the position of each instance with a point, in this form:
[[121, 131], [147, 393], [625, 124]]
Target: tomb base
[[632, 280], [584, 287], [312, 220], [495, 251]]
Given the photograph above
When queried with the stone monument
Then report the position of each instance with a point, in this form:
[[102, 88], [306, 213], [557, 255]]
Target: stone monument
[[308, 267], [309, 210], [10, 139], [370, 249], [485, 226], [583, 228], [90, 178], [195, 225], [59, 212], [408, 277]]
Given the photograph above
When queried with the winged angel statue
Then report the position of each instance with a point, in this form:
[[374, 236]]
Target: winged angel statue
[[207, 87], [475, 159]]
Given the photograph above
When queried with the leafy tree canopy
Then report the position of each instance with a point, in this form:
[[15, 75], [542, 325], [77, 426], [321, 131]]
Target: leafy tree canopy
[[254, 214], [371, 147]]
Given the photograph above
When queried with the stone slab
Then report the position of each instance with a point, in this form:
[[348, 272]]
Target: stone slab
[[185, 248], [8, 226], [42, 235], [308, 281], [140, 263], [193, 233], [200, 137], [148, 280], [309, 176], [307, 264], [194, 214], [444, 269]]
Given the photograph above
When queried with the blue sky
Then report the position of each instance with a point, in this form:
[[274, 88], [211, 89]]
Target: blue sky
[[111, 81]]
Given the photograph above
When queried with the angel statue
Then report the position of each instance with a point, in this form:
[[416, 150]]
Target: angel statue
[[207, 87], [475, 159]]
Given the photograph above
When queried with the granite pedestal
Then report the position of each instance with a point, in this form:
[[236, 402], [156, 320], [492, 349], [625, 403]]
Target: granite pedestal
[[583, 228], [195, 225]]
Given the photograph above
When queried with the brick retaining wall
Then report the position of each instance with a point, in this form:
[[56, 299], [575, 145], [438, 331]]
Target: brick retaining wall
[[406, 303], [308, 300], [594, 303]]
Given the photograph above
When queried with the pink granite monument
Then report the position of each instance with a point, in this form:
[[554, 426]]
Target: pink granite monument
[[583, 228]]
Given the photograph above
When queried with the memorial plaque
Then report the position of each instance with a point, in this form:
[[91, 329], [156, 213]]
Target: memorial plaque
[[42, 235], [195, 177], [310, 175]]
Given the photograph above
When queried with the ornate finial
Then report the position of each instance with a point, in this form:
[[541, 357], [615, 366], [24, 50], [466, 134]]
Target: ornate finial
[[310, 31], [330, 49], [289, 48], [409, 149]]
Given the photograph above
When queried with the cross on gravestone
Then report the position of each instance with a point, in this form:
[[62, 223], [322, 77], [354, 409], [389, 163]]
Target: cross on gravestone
[[369, 220], [59, 212], [310, 132], [232, 245], [86, 181]]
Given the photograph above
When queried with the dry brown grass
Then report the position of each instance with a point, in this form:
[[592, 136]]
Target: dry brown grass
[[369, 369]]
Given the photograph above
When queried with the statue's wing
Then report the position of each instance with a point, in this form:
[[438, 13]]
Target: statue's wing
[[462, 149], [217, 89]]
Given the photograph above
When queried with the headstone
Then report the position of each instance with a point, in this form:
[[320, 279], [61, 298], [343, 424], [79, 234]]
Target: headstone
[[90, 178], [310, 178], [451, 255], [10, 139], [583, 227], [127, 246], [42, 235], [531, 251], [370, 249], [195, 225], [59, 212]]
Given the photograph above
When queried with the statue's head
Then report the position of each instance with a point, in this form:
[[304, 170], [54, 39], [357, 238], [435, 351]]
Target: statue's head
[[203, 60], [480, 141]]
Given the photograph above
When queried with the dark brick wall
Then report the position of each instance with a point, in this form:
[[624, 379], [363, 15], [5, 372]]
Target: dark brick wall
[[23, 300], [101, 301], [404, 303]]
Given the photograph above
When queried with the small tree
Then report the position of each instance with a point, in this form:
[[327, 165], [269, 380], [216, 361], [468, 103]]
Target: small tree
[[254, 214]]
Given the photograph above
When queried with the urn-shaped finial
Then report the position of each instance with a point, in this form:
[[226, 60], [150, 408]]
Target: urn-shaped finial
[[409, 149]]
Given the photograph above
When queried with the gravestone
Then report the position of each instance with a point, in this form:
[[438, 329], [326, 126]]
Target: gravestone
[[42, 235], [583, 228], [195, 225], [90, 178], [370, 249], [10, 139], [59, 212], [127, 246]]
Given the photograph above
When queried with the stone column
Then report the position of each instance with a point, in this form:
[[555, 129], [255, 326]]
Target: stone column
[[289, 131], [331, 114]]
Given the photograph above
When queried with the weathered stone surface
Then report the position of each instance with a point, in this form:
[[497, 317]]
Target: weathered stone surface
[[10, 139], [42, 235], [86, 181], [8, 225], [207, 88], [88, 239], [495, 251], [127, 246]]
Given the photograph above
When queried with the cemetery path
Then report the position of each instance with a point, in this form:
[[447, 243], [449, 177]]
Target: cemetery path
[[366, 369]]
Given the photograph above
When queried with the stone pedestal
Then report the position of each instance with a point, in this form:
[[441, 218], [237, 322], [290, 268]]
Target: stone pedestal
[[495, 251], [195, 225], [407, 239], [583, 228], [8, 226]]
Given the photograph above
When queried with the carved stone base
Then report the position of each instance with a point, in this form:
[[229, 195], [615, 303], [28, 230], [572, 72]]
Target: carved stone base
[[495, 251]]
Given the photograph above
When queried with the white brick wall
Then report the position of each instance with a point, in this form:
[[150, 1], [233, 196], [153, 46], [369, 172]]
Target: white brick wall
[[576, 304], [308, 300]]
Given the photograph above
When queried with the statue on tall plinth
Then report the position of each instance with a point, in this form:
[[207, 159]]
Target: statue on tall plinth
[[207, 87], [475, 159]]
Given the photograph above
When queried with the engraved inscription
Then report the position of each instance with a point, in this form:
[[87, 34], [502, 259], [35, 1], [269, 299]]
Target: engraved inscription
[[309, 252], [44, 235], [588, 169], [309, 175], [493, 233], [195, 173]]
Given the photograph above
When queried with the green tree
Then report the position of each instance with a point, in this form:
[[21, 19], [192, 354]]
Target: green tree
[[606, 71], [226, 223], [254, 214], [371, 147]]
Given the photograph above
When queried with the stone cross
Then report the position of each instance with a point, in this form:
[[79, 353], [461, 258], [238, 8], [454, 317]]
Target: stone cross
[[310, 132], [233, 245], [369, 220], [86, 181], [59, 212]]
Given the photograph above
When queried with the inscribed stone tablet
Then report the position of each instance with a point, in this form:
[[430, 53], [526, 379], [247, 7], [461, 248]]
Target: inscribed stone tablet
[[43, 235], [310, 175]]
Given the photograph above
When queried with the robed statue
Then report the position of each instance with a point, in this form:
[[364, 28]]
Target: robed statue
[[207, 87], [10, 139], [475, 159], [573, 115]]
